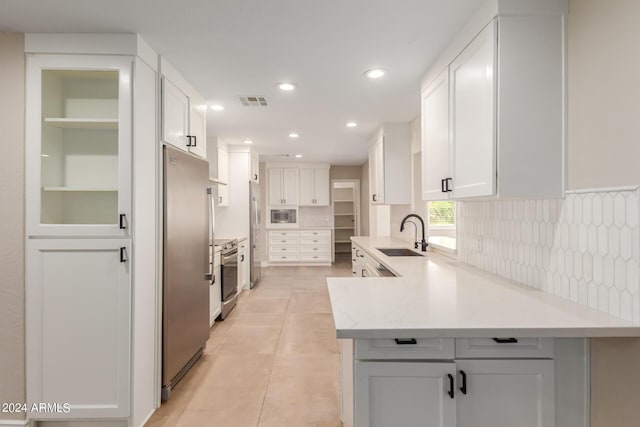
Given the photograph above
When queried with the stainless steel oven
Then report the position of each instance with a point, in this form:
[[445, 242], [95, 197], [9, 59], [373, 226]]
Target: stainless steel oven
[[229, 279]]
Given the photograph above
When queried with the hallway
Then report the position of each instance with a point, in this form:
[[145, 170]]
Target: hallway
[[273, 362]]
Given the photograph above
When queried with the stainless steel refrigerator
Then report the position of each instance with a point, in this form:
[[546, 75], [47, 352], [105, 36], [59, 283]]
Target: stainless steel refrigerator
[[254, 234], [186, 274]]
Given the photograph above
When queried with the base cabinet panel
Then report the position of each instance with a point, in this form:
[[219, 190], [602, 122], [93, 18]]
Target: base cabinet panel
[[403, 394], [506, 393], [79, 326]]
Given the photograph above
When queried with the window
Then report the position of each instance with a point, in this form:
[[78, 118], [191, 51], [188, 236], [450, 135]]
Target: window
[[442, 215]]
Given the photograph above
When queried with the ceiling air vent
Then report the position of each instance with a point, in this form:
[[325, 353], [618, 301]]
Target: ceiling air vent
[[253, 101]]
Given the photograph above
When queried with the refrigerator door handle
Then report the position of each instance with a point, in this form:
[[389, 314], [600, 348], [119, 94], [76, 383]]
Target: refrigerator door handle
[[210, 225]]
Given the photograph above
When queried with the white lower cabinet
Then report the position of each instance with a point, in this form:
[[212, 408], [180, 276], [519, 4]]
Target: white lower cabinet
[[79, 326], [215, 291], [406, 394], [304, 246], [434, 387], [505, 393]]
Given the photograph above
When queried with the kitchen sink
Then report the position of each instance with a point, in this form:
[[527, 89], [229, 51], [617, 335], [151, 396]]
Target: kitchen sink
[[398, 252]]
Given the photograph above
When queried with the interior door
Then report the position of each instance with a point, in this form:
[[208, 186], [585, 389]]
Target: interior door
[[473, 116], [435, 138]]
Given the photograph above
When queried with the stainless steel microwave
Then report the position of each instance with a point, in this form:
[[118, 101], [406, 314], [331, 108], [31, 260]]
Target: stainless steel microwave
[[283, 216]]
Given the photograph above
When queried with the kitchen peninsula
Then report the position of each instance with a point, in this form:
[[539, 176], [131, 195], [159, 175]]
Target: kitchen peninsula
[[446, 344]]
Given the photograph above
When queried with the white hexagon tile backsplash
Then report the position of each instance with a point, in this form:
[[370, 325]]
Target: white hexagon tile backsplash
[[585, 247]]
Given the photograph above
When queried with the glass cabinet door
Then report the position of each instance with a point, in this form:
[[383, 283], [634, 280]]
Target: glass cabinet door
[[79, 145]]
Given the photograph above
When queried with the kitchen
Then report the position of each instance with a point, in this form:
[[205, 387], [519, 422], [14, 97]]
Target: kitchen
[[597, 34]]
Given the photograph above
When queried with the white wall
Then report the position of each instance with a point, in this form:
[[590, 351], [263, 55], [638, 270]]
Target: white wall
[[12, 104], [603, 129], [604, 94]]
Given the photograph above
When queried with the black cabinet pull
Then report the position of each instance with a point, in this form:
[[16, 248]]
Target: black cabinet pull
[[255, 176], [219, 199], [122, 254], [122, 221], [463, 389], [450, 392], [506, 340], [374, 198], [188, 140], [447, 181], [442, 186], [241, 258], [403, 341], [195, 141]]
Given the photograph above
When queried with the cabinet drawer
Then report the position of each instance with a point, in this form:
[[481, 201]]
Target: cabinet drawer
[[314, 240], [284, 240], [319, 257], [316, 233], [405, 348], [284, 257], [282, 249], [314, 248], [504, 347], [285, 233]]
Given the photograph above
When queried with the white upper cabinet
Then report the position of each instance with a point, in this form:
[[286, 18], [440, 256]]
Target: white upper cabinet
[[283, 186], [502, 121], [175, 115], [435, 136], [314, 186], [184, 113], [255, 167], [78, 151], [223, 176], [473, 107], [197, 137], [390, 165]]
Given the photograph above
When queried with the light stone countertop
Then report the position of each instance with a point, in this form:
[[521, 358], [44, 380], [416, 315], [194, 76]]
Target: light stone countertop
[[438, 297]]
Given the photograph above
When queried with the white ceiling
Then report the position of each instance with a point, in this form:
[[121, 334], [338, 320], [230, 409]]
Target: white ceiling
[[227, 48]]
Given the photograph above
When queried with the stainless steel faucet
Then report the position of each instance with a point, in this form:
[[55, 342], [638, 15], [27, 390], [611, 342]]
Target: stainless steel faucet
[[423, 242]]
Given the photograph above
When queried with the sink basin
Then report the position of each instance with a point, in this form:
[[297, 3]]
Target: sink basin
[[398, 252]]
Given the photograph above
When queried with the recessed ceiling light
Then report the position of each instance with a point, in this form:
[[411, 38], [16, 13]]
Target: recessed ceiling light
[[248, 141], [288, 87], [374, 73], [217, 107], [298, 155], [352, 124], [293, 135]]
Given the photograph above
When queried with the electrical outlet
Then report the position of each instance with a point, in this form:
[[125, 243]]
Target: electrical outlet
[[480, 244]]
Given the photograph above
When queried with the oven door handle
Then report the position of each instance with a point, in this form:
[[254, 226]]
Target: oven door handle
[[233, 255]]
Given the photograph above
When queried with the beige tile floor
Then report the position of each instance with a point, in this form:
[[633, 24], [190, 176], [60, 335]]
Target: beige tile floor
[[273, 362]]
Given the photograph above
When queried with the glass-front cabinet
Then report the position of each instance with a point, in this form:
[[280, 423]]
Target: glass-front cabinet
[[79, 145]]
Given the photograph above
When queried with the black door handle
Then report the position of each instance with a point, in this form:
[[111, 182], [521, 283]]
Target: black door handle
[[463, 389], [122, 221], [450, 392], [442, 186], [403, 341], [122, 254], [506, 340]]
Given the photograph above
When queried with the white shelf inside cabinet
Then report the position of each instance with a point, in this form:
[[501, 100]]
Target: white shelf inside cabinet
[[78, 123], [105, 189]]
